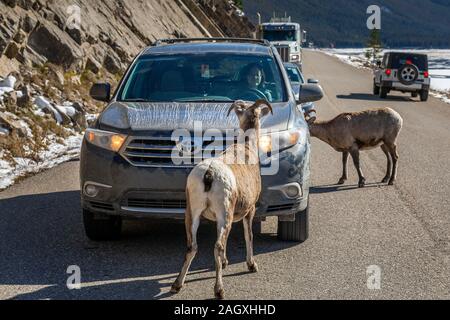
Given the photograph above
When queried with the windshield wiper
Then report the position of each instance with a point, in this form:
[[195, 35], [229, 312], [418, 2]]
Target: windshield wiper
[[203, 100], [135, 100]]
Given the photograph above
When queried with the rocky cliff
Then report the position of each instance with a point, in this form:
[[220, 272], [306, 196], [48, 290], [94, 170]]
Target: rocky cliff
[[51, 51]]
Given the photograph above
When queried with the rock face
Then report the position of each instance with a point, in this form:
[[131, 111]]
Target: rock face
[[94, 34], [55, 45]]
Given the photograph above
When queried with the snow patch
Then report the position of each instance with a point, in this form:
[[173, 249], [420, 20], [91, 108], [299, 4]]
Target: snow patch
[[56, 154]]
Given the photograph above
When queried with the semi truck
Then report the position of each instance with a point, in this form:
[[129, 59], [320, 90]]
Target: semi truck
[[286, 36]]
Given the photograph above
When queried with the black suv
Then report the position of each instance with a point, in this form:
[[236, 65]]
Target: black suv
[[136, 158]]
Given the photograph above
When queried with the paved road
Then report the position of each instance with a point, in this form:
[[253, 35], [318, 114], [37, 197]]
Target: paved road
[[405, 230]]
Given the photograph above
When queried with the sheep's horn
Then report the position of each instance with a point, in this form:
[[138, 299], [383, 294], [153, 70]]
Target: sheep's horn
[[259, 102], [236, 104]]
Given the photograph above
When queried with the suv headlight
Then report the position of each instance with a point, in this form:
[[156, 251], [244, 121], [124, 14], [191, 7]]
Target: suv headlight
[[105, 139], [279, 141]]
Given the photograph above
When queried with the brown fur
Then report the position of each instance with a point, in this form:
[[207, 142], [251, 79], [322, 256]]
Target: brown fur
[[351, 133], [237, 200]]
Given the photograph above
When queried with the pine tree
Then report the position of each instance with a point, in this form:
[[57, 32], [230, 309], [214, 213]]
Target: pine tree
[[375, 47]]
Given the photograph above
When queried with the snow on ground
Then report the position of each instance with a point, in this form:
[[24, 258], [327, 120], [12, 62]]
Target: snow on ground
[[55, 155], [439, 67], [58, 150]]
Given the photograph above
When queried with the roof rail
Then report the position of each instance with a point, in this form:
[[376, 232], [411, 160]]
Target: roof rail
[[178, 40]]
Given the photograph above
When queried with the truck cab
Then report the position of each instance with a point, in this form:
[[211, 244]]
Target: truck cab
[[286, 37]]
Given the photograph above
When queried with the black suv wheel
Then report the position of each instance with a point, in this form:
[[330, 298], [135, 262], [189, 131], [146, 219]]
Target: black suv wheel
[[104, 228], [384, 92], [376, 89], [424, 95], [297, 231]]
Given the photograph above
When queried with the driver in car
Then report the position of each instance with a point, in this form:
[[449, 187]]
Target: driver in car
[[253, 78]]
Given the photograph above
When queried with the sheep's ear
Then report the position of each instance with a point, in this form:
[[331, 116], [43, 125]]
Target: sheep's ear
[[264, 106], [238, 107]]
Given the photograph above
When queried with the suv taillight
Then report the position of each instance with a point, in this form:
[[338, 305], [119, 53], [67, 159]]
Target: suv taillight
[[388, 72], [426, 74]]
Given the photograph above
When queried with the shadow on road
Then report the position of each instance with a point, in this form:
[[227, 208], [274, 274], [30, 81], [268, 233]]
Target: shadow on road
[[340, 188], [42, 235], [371, 97]]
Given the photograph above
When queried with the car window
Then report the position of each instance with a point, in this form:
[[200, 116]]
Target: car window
[[400, 59], [294, 75], [204, 77]]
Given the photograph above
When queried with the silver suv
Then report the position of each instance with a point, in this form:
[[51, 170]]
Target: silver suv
[[134, 164], [401, 71]]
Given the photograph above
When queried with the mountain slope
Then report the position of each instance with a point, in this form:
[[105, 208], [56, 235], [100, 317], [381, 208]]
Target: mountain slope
[[342, 23]]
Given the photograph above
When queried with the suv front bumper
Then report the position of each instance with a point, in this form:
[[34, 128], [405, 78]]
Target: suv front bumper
[[149, 192]]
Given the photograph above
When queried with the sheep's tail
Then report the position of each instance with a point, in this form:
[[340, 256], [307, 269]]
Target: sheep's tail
[[208, 180]]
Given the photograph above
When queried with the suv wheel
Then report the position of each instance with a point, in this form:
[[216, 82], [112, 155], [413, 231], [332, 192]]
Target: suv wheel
[[408, 74], [106, 229], [376, 89], [298, 230], [384, 92], [424, 95]]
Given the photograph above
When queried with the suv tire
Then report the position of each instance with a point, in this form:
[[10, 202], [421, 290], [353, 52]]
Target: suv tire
[[297, 231], [107, 229], [424, 95], [376, 89], [408, 74], [383, 92]]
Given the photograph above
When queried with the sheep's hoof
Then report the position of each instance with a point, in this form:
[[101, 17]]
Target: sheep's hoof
[[219, 294], [175, 288], [224, 264], [253, 267], [385, 180], [341, 181], [392, 182], [362, 184]]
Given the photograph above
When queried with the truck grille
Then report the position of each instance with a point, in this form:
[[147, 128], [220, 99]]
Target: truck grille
[[284, 53], [163, 151]]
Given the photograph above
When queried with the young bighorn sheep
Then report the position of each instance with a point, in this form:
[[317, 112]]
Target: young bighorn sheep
[[226, 191], [351, 133]]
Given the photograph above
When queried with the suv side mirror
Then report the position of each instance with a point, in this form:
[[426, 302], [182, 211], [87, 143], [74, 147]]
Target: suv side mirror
[[310, 93], [313, 81], [101, 92]]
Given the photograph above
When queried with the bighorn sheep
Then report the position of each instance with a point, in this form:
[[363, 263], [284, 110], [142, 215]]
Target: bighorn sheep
[[350, 133], [225, 191]]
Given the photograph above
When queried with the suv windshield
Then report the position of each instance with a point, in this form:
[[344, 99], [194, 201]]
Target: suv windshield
[[400, 59], [208, 77]]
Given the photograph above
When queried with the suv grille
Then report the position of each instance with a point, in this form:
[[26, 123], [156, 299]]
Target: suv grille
[[160, 204], [284, 53], [163, 151]]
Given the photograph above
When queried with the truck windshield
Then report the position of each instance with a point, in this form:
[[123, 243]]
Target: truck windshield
[[206, 77], [279, 35]]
